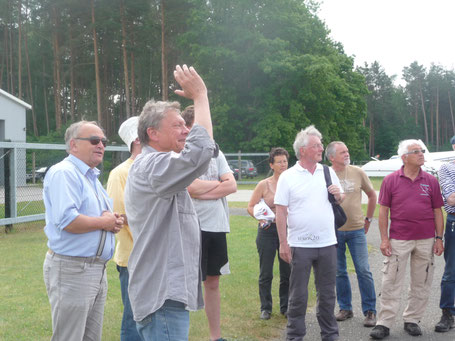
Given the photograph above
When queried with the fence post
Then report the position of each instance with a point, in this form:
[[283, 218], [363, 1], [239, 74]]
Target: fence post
[[10, 187], [239, 158]]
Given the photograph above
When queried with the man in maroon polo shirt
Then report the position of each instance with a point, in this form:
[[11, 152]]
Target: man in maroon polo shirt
[[414, 200]]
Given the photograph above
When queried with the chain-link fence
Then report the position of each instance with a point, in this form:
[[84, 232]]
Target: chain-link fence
[[22, 170], [24, 165]]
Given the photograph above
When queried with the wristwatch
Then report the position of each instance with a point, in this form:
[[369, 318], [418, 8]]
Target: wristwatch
[[369, 219], [438, 237]]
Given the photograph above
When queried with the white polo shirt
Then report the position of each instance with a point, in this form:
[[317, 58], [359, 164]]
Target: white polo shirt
[[310, 215]]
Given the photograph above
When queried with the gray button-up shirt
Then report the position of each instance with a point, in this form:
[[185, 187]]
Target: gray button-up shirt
[[165, 260]]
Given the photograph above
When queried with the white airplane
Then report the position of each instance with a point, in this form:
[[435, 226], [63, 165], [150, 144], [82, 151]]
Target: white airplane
[[433, 161]]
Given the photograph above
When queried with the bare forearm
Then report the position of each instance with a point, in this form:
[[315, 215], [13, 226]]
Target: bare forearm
[[439, 222], [371, 205], [384, 222], [84, 224], [202, 113], [199, 187], [223, 189]]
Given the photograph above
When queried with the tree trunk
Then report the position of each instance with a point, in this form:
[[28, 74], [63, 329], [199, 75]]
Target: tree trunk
[[35, 126], [57, 94], [11, 68], [19, 51], [437, 118], [3, 55], [45, 98], [424, 114], [163, 57], [432, 122], [133, 85], [125, 61], [451, 113], [97, 73], [72, 115], [371, 147]]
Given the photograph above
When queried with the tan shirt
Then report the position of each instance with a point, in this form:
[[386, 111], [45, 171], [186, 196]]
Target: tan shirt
[[353, 180]]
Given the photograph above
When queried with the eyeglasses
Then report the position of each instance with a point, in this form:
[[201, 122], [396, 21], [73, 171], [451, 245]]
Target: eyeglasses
[[317, 145], [94, 140], [415, 151]]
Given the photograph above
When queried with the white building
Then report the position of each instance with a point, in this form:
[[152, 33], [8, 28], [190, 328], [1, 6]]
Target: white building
[[13, 129]]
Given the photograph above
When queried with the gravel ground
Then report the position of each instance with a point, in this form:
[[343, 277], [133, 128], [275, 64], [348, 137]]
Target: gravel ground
[[353, 330]]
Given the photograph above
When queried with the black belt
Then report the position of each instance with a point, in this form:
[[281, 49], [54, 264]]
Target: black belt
[[451, 213]]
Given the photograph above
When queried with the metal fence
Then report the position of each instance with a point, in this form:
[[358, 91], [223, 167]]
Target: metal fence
[[23, 166], [22, 170]]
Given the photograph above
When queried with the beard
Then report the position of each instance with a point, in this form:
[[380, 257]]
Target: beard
[[347, 162]]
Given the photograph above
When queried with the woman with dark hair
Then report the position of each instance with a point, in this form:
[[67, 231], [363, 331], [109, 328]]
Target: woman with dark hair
[[267, 241]]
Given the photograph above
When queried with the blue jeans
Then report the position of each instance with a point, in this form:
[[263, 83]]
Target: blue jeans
[[128, 331], [448, 279], [169, 323], [357, 243]]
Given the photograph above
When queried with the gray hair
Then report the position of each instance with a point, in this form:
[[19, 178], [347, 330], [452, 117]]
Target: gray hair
[[331, 149], [403, 146], [73, 131], [151, 117], [301, 140]]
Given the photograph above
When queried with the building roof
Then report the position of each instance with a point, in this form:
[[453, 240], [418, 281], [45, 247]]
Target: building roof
[[15, 99]]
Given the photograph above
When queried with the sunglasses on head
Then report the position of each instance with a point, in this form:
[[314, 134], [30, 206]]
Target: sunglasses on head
[[94, 140]]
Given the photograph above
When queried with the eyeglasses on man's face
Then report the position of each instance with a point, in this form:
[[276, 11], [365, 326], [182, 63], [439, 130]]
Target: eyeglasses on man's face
[[94, 140], [415, 151]]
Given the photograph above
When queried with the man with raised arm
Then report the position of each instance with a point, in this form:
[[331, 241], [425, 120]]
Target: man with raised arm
[[308, 239], [164, 266], [80, 228], [209, 193]]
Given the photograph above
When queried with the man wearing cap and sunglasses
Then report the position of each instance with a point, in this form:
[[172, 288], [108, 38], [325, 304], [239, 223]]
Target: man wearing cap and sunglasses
[[414, 201], [80, 227], [116, 190]]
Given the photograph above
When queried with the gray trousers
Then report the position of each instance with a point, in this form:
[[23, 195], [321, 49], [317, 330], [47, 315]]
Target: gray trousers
[[323, 261], [77, 289]]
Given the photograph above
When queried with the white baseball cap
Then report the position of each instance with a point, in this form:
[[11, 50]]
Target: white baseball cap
[[128, 131]]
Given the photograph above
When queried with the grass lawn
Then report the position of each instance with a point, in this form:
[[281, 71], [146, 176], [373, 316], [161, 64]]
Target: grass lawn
[[25, 310]]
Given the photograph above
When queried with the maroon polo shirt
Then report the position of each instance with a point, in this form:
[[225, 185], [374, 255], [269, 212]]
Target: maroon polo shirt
[[411, 204]]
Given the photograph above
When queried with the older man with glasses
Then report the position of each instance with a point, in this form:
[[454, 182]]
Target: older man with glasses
[[80, 227], [414, 201]]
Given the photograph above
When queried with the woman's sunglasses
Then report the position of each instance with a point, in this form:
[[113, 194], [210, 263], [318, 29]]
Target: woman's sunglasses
[[94, 140]]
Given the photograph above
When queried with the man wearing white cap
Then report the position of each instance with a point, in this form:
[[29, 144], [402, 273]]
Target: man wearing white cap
[[115, 189]]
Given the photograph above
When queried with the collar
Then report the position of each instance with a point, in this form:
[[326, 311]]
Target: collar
[[301, 169], [401, 173], [82, 166], [148, 149]]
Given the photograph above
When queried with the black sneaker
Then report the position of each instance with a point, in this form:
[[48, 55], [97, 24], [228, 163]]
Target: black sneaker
[[412, 329], [379, 332], [446, 322]]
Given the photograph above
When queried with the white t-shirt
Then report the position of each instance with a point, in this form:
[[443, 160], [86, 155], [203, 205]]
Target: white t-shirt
[[214, 214], [310, 214]]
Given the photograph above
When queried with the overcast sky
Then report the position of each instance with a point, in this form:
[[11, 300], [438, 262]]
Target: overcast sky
[[393, 32]]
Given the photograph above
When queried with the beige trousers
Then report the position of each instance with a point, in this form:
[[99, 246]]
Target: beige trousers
[[394, 270]]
